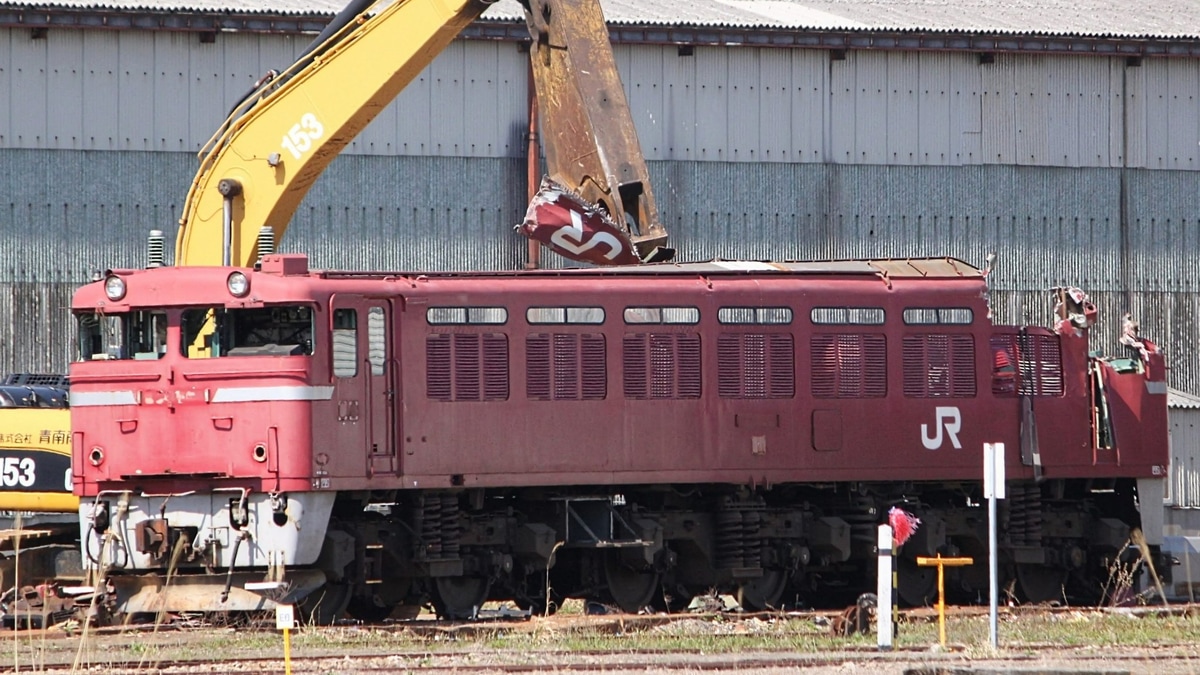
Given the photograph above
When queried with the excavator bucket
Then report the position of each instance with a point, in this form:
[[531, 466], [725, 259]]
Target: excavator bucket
[[598, 206]]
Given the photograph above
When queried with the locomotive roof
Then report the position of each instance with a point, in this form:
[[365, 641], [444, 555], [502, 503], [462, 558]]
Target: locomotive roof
[[913, 267], [891, 268]]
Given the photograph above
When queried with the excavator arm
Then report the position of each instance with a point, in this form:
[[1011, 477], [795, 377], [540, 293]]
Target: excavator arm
[[257, 169], [259, 165], [591, 144]]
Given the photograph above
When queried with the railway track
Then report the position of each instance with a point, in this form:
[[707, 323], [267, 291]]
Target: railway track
[[580, 643], [912, 660]]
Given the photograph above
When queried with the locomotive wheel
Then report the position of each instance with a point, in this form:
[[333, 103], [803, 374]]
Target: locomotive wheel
[[763, 593], [458, 598], [368, 609], [326, 604], [915, 586], [1039, 583], [630, 589]]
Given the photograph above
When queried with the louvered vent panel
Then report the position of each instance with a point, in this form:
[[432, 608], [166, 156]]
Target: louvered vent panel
[[939, 366], [466, 367], [915, 366], [782, 383], [823, 365], [688, 362], [537, 367], [962, 366], [1039, 363], [634, 354], [851, 363], [437, 367], [848, 366], [874, 366], [729, 366], [1027, 365], [566, 366], [1050, 375], [495, 367], [755, 365], [594, 367], [662, 366]]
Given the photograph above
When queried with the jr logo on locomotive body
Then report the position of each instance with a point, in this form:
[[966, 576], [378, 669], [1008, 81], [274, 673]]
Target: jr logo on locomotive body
[[948, 418]]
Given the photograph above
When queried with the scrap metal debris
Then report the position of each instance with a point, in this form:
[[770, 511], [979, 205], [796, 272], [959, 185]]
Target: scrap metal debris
[[38, 606], [1131, 338], [576, 229]]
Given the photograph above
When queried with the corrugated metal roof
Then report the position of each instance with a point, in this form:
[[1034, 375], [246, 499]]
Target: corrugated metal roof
[[1182, 399], [1081, 18]]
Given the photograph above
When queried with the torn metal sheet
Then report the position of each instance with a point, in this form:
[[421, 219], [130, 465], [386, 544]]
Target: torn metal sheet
[[575, 228]]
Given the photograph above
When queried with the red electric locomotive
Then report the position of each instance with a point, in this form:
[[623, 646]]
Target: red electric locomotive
[[365, 442]]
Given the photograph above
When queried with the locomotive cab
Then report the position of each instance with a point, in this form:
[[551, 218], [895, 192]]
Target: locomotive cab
[[193, 421]]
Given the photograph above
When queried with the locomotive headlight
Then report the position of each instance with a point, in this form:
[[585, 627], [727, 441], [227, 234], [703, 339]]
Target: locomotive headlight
[[238, 284], [114, 288]]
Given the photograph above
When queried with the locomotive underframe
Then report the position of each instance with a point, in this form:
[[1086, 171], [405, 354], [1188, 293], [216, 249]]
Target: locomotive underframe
[[632, 547]]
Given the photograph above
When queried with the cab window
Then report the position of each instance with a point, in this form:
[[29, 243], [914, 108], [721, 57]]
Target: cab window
[[260, 331], [137, 335]]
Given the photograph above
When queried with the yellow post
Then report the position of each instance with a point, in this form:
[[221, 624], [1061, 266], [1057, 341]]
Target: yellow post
[[287, 650], [941, 564]]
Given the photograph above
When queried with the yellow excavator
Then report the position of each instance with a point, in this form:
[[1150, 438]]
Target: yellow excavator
[[257, 168], [595, 205]]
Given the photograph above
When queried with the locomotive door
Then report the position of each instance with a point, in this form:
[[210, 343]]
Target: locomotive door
[[364, 375]]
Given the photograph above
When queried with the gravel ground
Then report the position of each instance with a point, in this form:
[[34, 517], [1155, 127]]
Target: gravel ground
[[617, 645]]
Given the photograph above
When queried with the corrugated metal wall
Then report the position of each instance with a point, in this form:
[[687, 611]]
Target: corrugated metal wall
[[1076, 170], [163, 91], [1183, 491], [370, 212]]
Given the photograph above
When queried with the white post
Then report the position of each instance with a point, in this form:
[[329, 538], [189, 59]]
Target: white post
[[993, 489], [883, 589]]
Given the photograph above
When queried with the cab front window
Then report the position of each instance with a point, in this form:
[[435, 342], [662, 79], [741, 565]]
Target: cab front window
[[262, 331], [133, 335]]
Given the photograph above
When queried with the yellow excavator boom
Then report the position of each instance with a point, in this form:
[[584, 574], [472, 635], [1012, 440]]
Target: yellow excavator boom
[[258, 167]]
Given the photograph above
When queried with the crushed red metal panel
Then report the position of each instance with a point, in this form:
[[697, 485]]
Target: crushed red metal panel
[[575, 228], [588, 135]]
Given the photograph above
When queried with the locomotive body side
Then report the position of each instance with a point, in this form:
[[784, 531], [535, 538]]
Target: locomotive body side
[[375, 440]]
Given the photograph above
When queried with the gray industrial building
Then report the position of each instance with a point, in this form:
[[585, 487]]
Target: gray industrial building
[[1064, 136]]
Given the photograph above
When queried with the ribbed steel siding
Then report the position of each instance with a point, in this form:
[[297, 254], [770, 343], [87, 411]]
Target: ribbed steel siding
[[395, 213], [1184, 486], [141, 90], [165, 91], [1049, 225], [36, 330], [68, 213], [64, 215]]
